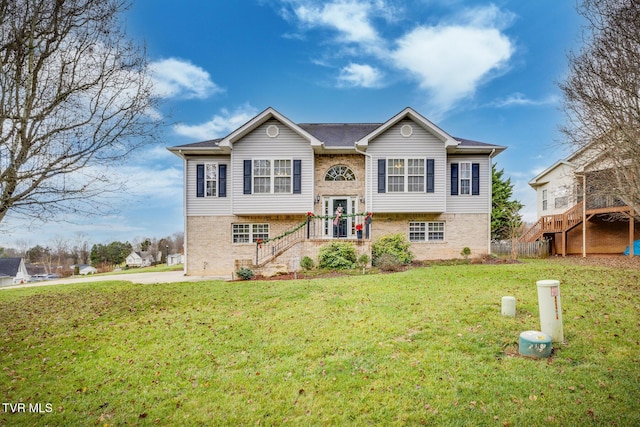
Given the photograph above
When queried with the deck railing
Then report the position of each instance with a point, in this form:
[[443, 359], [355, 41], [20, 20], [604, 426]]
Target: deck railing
[[554, 224]]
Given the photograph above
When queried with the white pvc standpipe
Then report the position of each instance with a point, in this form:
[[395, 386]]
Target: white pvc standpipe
[[550, 309], [509, 306]]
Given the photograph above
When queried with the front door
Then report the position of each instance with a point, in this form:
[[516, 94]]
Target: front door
[[340, 223]]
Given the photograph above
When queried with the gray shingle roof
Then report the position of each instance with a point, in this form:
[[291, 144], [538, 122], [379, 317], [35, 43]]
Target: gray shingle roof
[[10, 266], [336, 135], [339, 134]]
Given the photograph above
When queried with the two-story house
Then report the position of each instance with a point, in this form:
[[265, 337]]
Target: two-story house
[[569, 194], [273, 178]]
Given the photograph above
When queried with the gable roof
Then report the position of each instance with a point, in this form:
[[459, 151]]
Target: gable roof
[[10, 266], [539, 179], [258, 120], [336, 137], [409, 113]]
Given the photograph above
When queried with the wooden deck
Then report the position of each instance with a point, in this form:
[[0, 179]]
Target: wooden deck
[[563, 223]]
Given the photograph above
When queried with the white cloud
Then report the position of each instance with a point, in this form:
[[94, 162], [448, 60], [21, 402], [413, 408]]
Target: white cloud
[[451, 61], [360, 75], [175, 78], [350, 18], [219, 125], [519, 99]]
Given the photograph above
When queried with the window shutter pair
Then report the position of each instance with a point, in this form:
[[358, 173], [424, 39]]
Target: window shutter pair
[[297, 176], [382, 175], [475, 179], [222, 180]]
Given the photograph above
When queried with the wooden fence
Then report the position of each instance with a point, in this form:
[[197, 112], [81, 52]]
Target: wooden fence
[[537, 249]]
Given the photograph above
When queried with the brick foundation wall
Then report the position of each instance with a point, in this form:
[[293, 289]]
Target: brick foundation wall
[[461, 230], [211, 253], [603, 237]]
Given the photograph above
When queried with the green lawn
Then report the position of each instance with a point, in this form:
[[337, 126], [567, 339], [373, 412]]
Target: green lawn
[[427, 346]]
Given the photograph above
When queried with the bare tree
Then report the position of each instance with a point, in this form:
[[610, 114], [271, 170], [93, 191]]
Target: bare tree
[[602, 98], [75, 98]]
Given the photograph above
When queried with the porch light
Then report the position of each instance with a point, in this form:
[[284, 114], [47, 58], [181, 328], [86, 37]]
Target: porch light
[[318, 198]]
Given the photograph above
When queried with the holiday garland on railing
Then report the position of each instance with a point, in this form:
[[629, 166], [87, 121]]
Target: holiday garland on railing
[[310, 215]]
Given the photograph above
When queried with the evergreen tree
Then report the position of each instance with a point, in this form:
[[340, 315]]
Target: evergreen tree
[[505, 213]]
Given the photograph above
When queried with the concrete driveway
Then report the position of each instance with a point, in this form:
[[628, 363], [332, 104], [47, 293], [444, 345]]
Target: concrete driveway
[[142, 278]]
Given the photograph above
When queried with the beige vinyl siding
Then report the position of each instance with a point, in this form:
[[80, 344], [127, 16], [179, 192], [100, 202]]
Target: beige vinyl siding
[[467, 203], [206, 206], [257, 145], [422, 144], [561, 183]]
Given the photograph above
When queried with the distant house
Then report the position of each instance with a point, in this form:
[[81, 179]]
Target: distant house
[[5, 280], [84, 269], [139, 259], [174, 259], [15, 269]]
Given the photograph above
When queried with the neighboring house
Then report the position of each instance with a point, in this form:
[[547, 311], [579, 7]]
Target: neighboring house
[[14, 268], [174, 259], [247, 195], [84, 269], [139, 259], [561, 190], [5, 280]]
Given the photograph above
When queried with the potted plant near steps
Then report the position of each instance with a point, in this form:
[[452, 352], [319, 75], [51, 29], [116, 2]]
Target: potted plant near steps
[[359, 231]]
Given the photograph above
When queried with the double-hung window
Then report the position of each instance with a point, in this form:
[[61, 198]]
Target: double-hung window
[[211, 179], [395, 173], [249, 233], [426, 231], [282, 176], [465, 178], [405, 175], [272, 176], [262, 176], [415, 175]]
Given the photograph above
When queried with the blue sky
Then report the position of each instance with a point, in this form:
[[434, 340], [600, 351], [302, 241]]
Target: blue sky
[[485, 71]]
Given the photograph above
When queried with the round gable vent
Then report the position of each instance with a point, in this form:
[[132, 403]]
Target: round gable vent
[[272, 131], [406, 131]]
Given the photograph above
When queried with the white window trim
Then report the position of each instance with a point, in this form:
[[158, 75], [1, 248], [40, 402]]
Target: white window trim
[[406, 174], [426, 232], [272, 175], [252, 232]]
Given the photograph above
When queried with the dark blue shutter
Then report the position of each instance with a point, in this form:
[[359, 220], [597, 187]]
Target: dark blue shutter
[[297, 176], [247, 177], [430, 175], [382, 176], [222, 181], [199, 180], [454, 179], [475, 179]]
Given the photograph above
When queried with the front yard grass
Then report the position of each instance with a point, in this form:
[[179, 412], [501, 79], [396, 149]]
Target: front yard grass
[[426, 346]]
